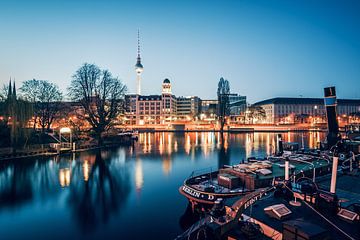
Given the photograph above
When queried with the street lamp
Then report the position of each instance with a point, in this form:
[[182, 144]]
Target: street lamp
[[65, 130]]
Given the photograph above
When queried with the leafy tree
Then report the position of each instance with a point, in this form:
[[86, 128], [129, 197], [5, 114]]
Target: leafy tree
[[101, 96], [46, 98], [223, 92]]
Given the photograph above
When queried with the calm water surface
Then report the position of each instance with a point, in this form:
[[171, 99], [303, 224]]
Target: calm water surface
[[122, 193]]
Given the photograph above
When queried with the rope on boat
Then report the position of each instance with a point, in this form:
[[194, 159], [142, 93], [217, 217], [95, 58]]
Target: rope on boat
[[331, 223], [327, 220]]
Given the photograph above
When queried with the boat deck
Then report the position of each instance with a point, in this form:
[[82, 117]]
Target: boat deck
[[303, 214], [277, 168], [347, 188], [251, 177], [203, 186]]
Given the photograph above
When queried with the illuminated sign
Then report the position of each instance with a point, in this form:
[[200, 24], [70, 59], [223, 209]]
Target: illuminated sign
[[252, 200], [196, 194]]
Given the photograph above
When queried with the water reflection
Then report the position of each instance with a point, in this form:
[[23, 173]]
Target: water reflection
[[64, 164], [204, 144], [97, 192], [166, 164], [224, 154], [139, 178], [102, 192], [97, 184], [15, 183], [86, 169]]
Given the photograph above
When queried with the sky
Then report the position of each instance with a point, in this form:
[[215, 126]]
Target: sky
[[264, 48]]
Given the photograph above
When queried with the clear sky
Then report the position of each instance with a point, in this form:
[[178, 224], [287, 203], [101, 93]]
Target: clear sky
[[264, 48]]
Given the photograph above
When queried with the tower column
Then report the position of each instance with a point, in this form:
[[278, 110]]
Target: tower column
[[138, 84]]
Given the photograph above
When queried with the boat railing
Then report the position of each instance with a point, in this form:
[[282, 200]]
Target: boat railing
[[200, 172]]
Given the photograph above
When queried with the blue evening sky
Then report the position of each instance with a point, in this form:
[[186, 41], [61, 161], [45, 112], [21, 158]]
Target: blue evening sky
[[264, 48]]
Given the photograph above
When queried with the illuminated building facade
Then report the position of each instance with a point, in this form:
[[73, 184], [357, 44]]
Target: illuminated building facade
[[237, 104], [208, 107], [291, 110], [151, 109], [188, 107]]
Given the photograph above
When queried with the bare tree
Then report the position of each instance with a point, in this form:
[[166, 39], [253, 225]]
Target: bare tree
[[46, 98], [3, 93], [100, 95], [256, 113], [223, 92]]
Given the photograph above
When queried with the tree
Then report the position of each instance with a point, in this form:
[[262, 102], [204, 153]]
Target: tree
[[17, 113], [46, 98], [3, 93], [223, 101], [256, 113], [100, 95]]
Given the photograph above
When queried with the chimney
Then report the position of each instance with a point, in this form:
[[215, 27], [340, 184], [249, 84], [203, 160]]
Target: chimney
[[333, 127]]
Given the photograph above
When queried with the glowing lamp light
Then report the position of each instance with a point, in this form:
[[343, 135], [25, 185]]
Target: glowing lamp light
[[65, 130]]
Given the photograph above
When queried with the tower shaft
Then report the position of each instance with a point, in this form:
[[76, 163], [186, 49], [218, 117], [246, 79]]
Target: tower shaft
[[138, 84]]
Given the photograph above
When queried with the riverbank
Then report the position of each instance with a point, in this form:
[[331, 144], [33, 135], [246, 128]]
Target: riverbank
[[235, 130], [45, 151]]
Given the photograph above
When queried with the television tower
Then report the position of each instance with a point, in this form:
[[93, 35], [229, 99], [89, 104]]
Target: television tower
[[138, 68]]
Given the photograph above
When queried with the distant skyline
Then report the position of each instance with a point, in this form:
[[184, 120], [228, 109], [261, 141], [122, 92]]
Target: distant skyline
[[264, 48]]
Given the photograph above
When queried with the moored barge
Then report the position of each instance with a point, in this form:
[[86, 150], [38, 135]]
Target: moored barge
[[204, 190]]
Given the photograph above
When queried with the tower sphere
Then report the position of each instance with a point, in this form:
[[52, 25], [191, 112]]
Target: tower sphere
[[139, 67]]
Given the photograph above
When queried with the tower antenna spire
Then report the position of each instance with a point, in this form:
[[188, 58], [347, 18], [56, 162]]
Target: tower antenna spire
[[138, 38]]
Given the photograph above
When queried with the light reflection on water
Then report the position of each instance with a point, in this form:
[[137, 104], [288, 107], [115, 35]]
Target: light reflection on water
[[109, 193]]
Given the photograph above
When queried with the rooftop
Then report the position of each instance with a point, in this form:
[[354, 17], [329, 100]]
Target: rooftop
[[319, 101]]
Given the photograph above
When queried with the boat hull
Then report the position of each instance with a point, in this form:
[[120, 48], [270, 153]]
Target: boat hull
[[207, 198]]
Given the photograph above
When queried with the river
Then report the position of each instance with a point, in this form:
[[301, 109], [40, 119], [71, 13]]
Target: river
[[119, 193]]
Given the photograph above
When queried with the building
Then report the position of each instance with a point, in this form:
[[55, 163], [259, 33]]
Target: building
[[291, 110], [188, 107], [209, 107], [237, 104], [151, 109], [169, 102]]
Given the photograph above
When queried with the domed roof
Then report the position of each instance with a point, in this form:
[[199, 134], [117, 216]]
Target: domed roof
[[166, 80]]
